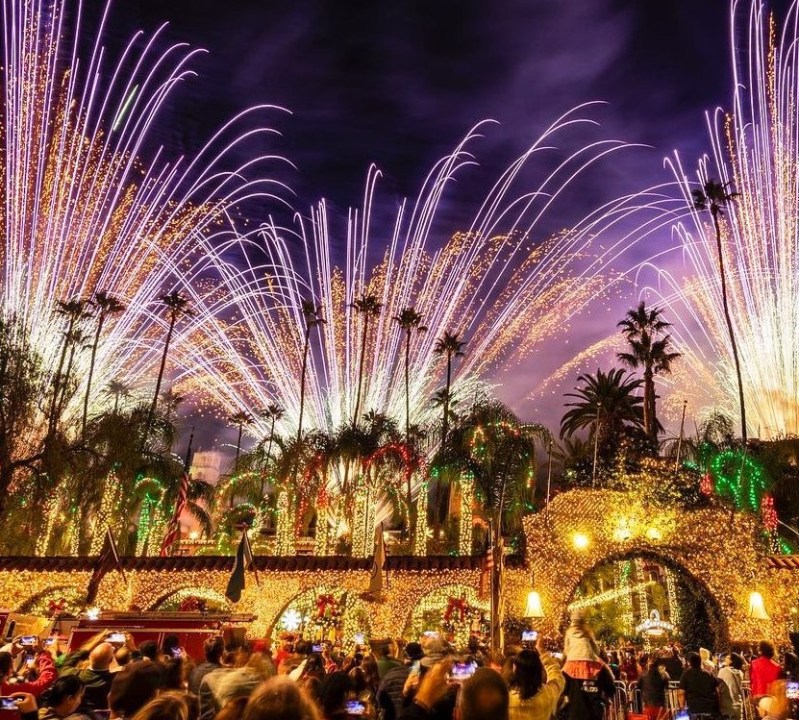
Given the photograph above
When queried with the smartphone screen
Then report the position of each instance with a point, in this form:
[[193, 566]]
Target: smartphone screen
[[117, 638], [529, 635], [792, 690], [462, 671], [355, 707], [28, 640], [8, 703], [317, 648]]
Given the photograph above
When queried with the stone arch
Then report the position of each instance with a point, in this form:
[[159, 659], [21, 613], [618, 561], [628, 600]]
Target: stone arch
[[719, 624], [39, 603], [191, 591], [430, 610], [723, 551], [310, 609]]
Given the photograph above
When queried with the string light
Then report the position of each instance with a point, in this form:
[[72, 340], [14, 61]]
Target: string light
[[551, 558], [466, 510]]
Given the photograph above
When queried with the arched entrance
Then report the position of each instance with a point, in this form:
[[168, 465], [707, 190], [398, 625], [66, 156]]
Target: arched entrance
[[324, 613], [647, 600], [454, 611], [192, 599], [720, 554]]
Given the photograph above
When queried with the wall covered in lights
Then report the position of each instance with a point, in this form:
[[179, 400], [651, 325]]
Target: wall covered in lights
[[724, 554]]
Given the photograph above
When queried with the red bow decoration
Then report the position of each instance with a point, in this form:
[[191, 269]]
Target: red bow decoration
[[56, 607], [706, 485], [323, 602], [456, 605]]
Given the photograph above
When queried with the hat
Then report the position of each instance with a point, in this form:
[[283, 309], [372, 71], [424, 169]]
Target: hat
[[413, 651]]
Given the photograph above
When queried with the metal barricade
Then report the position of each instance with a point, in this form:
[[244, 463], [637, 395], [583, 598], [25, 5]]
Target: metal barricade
[[672, 699], [747, 707], [617, 707], [634, 698]]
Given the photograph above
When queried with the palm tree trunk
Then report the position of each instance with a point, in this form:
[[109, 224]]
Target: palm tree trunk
[[408, 411], [305, 348], [445, 423], [238, 449], [649, 402], [444, 430], [360, 369], [57, 378], [154, 406], [100, 321], [70, 365], [727, 317], [268, 451]]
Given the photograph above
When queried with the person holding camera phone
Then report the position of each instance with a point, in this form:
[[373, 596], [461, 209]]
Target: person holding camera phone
[[43, 666], [536, 683]]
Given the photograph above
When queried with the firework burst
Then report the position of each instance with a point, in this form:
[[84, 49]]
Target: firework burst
[[755, 154], [499, 284], [88, 204]]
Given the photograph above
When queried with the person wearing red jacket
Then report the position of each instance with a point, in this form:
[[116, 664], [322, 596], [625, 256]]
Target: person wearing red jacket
[[46, 675], [764, 671]]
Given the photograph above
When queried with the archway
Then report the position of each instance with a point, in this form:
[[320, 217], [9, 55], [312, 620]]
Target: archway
[[584, 528], [454, 611], [192, 599], [645, 599], [324, 613]]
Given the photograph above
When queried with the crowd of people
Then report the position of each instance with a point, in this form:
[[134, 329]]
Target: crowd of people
[[110, 678]]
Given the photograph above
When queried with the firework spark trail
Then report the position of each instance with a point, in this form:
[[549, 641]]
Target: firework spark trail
[[756, 151], [83, 209], [498, 284]]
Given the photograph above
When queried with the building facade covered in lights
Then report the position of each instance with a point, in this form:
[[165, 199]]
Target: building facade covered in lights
[[750, 595]]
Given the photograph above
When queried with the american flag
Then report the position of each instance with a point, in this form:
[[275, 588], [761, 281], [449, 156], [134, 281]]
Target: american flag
[[173, 529]]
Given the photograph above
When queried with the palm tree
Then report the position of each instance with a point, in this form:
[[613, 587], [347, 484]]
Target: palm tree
[[451, 346], [408, 320], [272, 413], [117, 389], [74, 311], [614, 394], [369, 307], [106, 305], [239, 419], [177, 306], [313, 318], [713, 196], [641, 327]]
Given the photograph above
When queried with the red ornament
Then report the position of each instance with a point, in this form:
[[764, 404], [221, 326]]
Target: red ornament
[[706, 485], [767, 513], [56, 607], [326, 605], [456, 605]]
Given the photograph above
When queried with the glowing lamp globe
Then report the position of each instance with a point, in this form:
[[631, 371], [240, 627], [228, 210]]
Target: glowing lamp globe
[[757, 609], [580, 541], [93, 613], [533, 608]]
